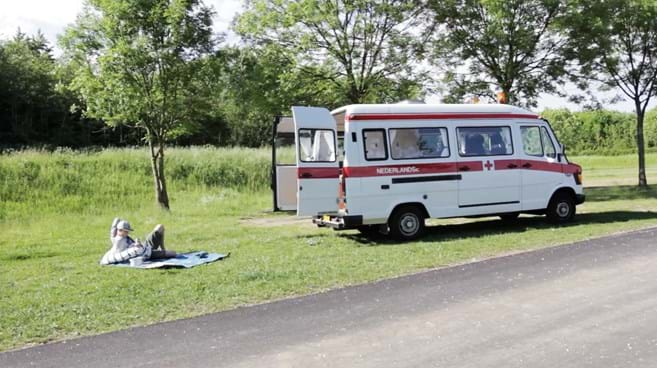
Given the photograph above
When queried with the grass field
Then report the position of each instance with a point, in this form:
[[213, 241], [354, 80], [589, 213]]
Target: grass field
[[55, 211]]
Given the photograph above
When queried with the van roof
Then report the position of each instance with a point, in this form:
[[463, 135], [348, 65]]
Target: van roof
[[426, 111], [429, 108]]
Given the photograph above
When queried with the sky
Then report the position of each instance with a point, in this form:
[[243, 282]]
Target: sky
[[52, 16]]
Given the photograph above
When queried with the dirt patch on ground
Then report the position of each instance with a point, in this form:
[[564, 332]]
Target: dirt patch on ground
[[276, 220]]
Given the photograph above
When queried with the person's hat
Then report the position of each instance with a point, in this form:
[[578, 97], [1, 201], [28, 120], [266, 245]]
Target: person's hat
[[124, 225]]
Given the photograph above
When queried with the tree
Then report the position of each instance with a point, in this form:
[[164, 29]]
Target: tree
[[140, 60], [617, 46], [250, 86], [484, 46], [364, 48], [27, 93]]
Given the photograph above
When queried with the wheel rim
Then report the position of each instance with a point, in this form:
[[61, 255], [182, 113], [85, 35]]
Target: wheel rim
[[563, 209], [409, 224]]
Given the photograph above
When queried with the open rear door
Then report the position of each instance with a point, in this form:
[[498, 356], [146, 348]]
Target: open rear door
[[317, 160]]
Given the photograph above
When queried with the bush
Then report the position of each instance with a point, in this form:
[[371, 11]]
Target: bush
[[597, 132]]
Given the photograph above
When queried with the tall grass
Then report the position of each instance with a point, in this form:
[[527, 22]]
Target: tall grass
[[34, 181]]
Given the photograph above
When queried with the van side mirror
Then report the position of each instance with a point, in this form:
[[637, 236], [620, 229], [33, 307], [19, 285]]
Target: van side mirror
[[562, 152]]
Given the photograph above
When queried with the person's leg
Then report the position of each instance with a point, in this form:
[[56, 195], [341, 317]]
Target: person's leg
[[156, 238], [162, 254], [156, 241]]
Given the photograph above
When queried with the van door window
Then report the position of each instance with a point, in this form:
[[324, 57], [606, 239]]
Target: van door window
[[316, 145], [485, 141], [531, 140], [548, 146], [409, 143], [374, 142]]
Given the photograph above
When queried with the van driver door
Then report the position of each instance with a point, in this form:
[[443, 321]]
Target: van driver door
[[317, 160]]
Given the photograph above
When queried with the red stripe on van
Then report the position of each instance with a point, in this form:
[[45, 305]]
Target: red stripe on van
[[471, 166], [431, 168], [508, 164], [394, 170], [318, 172], [411, 169], [439, 116], [572, 169], [537, 165], [542, 166]]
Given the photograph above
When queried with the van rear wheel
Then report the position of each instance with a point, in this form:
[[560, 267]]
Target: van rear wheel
[[406, 223], [561, 208]]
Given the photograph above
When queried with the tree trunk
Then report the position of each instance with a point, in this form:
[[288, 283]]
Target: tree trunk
[[640, 147], [157, 166]]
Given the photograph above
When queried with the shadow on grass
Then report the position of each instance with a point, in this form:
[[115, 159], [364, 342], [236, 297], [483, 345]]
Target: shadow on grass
[[495, 226], [620, 192], [24, 255]]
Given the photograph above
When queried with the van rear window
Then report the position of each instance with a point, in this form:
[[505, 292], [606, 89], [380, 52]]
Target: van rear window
[[374, 141], [485, 141], [414, 143], [316, 145]]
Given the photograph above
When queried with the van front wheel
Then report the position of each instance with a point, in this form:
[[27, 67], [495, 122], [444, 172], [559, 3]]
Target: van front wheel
[[406, 223], [561, 208]]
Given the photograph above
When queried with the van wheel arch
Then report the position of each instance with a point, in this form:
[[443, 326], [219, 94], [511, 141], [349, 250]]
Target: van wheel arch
[[406, 221], [561, 207]]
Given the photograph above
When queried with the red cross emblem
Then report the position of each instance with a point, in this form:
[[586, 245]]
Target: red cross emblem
[[488, 165]]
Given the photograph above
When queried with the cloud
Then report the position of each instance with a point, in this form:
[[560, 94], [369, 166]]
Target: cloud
[[31, 15], [52, 16]]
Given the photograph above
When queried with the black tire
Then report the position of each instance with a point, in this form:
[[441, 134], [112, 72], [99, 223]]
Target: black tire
[[509, 217], [369, 230], [561, 209], [407, 223]]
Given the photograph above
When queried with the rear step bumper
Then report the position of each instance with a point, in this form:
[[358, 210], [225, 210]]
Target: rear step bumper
[[338, 221], [579, 198]]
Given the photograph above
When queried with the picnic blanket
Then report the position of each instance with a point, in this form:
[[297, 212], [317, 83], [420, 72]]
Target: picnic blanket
[[182, 260]]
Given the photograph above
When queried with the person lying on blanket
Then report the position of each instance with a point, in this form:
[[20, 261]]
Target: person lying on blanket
[[125, 248]]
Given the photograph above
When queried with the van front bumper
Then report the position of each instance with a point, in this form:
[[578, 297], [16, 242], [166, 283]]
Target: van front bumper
[[338, 221], [579, 198]]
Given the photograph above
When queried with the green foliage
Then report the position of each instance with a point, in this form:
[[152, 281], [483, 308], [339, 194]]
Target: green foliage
[[89, 182], [616, 43], [139, 61], [34, 109], [617, 40], [364, 49], [485, 46], [250, 87], [600, 131]]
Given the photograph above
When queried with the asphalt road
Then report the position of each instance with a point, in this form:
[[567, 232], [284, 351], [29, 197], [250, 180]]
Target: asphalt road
[[589, 304]]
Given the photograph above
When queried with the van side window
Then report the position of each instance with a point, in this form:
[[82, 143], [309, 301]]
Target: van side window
[[410, 143], [531, 140], [485, 141], [548, 146], [316, 145], [374, 142]]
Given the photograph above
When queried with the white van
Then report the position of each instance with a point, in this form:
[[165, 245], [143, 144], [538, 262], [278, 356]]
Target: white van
[[403, 164]]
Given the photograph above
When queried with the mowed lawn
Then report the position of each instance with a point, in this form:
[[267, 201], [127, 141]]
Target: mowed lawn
[[56, 210]]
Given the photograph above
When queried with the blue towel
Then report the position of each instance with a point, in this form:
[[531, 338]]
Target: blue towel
[[182, 260]]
